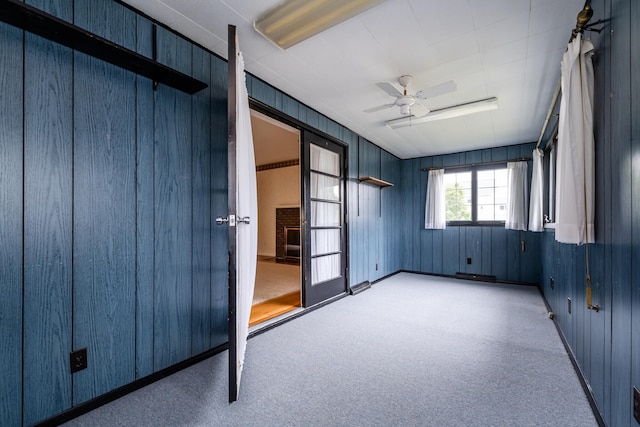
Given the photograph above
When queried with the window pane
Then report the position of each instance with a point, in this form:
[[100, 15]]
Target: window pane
[[492, 194], [325, 214], [324, 187], [458, 196], [325, 268], [323, 160], [325, 241]]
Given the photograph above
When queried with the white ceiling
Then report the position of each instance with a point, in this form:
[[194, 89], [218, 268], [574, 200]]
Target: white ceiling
[[510, 49]]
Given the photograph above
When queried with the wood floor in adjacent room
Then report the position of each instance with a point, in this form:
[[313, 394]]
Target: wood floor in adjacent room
[[274, 307], [277, 290]]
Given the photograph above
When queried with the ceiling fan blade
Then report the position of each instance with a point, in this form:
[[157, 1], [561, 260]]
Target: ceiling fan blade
[[379, 108], [389, 88], [437, 90]]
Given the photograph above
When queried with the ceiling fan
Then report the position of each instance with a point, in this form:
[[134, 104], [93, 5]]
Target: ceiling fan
[[410, 104]]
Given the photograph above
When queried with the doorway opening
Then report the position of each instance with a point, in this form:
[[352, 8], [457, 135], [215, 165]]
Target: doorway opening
[[278, 286]]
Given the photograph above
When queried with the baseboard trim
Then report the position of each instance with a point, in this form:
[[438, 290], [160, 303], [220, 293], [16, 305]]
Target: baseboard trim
[[360, 287], [476, 277], [467, 276], [112, 395], [583, 381]]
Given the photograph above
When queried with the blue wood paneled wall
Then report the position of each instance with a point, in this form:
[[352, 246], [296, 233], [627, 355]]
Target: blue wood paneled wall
[[493, 250], [607, 344], [107, 193]]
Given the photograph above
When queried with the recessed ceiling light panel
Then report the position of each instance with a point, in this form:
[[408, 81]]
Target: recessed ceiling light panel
[[297, 20]]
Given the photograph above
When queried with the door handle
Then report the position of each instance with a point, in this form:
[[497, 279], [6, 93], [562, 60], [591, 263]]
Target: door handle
[[245, 219], [231, 219]]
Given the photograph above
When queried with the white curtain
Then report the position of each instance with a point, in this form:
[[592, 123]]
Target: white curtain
[[517, 195], [247, 205], [435, 216], [575, 165], [536, 208]]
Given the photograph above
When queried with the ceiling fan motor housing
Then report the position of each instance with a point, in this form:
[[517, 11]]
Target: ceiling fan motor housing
[[405, 102]]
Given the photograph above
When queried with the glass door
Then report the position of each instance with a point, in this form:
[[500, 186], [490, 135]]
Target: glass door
[[325, 260]]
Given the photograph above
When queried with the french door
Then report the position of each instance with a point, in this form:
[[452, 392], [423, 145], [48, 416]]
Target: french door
[[324, 213]]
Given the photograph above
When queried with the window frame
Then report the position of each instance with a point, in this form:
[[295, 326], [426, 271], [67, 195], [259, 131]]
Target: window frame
[[474, 194], [550, 174]]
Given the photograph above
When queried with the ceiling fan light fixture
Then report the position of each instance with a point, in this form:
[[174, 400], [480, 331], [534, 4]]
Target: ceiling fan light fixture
[[405, 110], [297, 20], [446, 113]]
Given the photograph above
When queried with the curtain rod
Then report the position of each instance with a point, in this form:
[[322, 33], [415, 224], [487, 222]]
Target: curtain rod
[[582, 23], [497, 162]]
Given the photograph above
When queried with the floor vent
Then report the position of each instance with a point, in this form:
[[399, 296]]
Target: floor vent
[[478, 277], [360, 287]]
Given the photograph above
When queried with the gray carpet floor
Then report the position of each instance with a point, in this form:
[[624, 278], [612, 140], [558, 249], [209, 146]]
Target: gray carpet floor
[[411, 351]]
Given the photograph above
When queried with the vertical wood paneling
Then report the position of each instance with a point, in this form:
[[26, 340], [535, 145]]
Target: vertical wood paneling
[[104, 207], [499, 252], [262, 92], [290, 106], [473, 249], [635, 152], [451, 250], [47, 224], [417, 222], [406, 225], [426, 236], [355, 218], [486, 252], [219, 185], [438, 235], [621, 184], [201, 202], [11, 205], [144, 208], [172, 316], [530, 262]]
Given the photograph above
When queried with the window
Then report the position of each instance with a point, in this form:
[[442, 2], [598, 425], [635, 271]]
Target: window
[[476, 195]]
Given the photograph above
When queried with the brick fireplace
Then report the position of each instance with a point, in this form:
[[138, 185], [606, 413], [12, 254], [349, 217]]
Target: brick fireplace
[[286, 218]]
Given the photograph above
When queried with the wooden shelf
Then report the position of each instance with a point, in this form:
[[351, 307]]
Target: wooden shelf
[[35, 21], [375, 181]]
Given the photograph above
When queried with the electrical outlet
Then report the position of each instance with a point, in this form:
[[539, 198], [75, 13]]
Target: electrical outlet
[[569, 305], [78, 360], [469, 261], [552, 283], [636, 404]]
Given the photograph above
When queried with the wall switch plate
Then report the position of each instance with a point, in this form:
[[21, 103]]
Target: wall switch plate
[[78, 360], [636, 404], [569, 305], [469, 261]]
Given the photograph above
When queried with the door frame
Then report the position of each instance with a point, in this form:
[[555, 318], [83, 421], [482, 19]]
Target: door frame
[[305, 128]]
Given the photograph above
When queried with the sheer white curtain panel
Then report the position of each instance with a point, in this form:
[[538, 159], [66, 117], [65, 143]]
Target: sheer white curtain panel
[[536, 208], [517, 195], [435, 211]]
